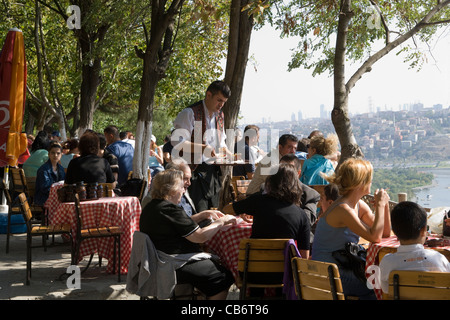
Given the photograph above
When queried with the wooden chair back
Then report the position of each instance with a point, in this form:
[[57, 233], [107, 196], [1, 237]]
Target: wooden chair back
[[318, 187], [418, 285], [31, 186], [234, 186], [260, 255], [148, 178], [240, 186], [370, 200], [108, 189], [19, 181], [26, 211], [316, 280], [145, 183]]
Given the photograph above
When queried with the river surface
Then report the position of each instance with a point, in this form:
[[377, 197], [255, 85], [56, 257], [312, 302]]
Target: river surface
[[437, 195]]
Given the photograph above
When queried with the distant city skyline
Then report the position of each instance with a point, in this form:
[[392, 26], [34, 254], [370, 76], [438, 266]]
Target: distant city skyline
[[326, 113], [270, 91]]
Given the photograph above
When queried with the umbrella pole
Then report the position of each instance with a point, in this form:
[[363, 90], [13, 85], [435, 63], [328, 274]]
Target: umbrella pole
[[4, 207]]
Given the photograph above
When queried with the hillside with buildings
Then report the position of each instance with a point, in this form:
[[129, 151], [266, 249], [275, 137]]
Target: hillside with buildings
[[416, 134]]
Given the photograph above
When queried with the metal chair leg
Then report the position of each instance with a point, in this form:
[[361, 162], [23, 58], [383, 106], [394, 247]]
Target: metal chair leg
[[28, 268]]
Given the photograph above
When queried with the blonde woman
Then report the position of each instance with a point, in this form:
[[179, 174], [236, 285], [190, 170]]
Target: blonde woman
[[173, 232], [350, 218], [155, 161], [319, 149]]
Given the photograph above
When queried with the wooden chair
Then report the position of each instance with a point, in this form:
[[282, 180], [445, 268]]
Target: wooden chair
[[418, 285], [108, 189], [149, 175], [144, 183], [260, 256], [316, 280], [370, 200], [24, 184], [234, 188], [12, 210], [318, 187], [240, 185], [40, 230], [137, 276], [96, 233]]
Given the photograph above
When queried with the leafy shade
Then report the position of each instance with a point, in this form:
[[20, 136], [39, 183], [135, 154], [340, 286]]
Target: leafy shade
[[373, 23]]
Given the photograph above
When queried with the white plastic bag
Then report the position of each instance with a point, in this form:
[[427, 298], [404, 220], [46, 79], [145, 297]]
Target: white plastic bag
[[436, 219]]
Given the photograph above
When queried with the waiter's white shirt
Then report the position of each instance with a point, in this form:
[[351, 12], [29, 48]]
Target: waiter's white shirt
[[185, 120]]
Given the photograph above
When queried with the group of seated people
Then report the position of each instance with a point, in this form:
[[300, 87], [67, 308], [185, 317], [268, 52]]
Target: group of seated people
[[279, 210], [281, 204], [319, 154], [95, 157]]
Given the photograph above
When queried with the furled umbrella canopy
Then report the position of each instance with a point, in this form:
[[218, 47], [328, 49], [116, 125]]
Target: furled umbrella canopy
[[13, 79]]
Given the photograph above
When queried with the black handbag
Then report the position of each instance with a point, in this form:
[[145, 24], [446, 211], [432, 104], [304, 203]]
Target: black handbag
[[352, 257]]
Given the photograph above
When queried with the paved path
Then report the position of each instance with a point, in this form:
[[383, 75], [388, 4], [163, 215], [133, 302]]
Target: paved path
[[95, 283]]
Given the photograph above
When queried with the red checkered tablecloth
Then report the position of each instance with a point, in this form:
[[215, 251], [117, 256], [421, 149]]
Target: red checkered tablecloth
[[374, 248], [114, 211], [52, 203], [225, 244]]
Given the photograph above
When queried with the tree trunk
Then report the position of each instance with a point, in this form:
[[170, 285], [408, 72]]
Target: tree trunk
[[339, 116], [56, 110], [241, 26], [90, 78], [156, 60], [149, 82]]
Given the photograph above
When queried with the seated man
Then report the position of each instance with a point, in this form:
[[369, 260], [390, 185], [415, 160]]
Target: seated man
[[122, 150], [286, 144], [409, 223], [250, 136]]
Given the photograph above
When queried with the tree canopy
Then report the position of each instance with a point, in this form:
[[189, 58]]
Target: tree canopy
[[196, 59]]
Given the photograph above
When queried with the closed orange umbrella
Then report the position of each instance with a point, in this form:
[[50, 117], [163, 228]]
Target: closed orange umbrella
[[13, 79]]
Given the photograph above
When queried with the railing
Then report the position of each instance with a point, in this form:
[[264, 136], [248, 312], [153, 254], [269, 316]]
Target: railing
[[370, 200]]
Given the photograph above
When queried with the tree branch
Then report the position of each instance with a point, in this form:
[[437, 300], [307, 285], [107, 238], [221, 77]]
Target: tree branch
[[58, 11], [367, 65], [383, 20], [437, 22], [34, 97]]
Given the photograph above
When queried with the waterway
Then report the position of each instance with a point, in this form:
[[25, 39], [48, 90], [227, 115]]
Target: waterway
[[438, 194]]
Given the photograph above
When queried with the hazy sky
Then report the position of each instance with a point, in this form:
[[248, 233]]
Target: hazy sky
[[271, 91]]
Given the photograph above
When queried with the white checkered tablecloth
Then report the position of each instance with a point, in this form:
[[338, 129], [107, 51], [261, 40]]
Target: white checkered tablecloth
[[114, 211], [225, 244]]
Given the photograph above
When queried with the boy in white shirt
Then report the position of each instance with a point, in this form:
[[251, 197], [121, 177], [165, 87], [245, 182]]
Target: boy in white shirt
[[409, 223]]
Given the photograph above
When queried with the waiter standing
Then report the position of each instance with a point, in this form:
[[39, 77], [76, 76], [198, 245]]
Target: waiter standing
[[199, 137]]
